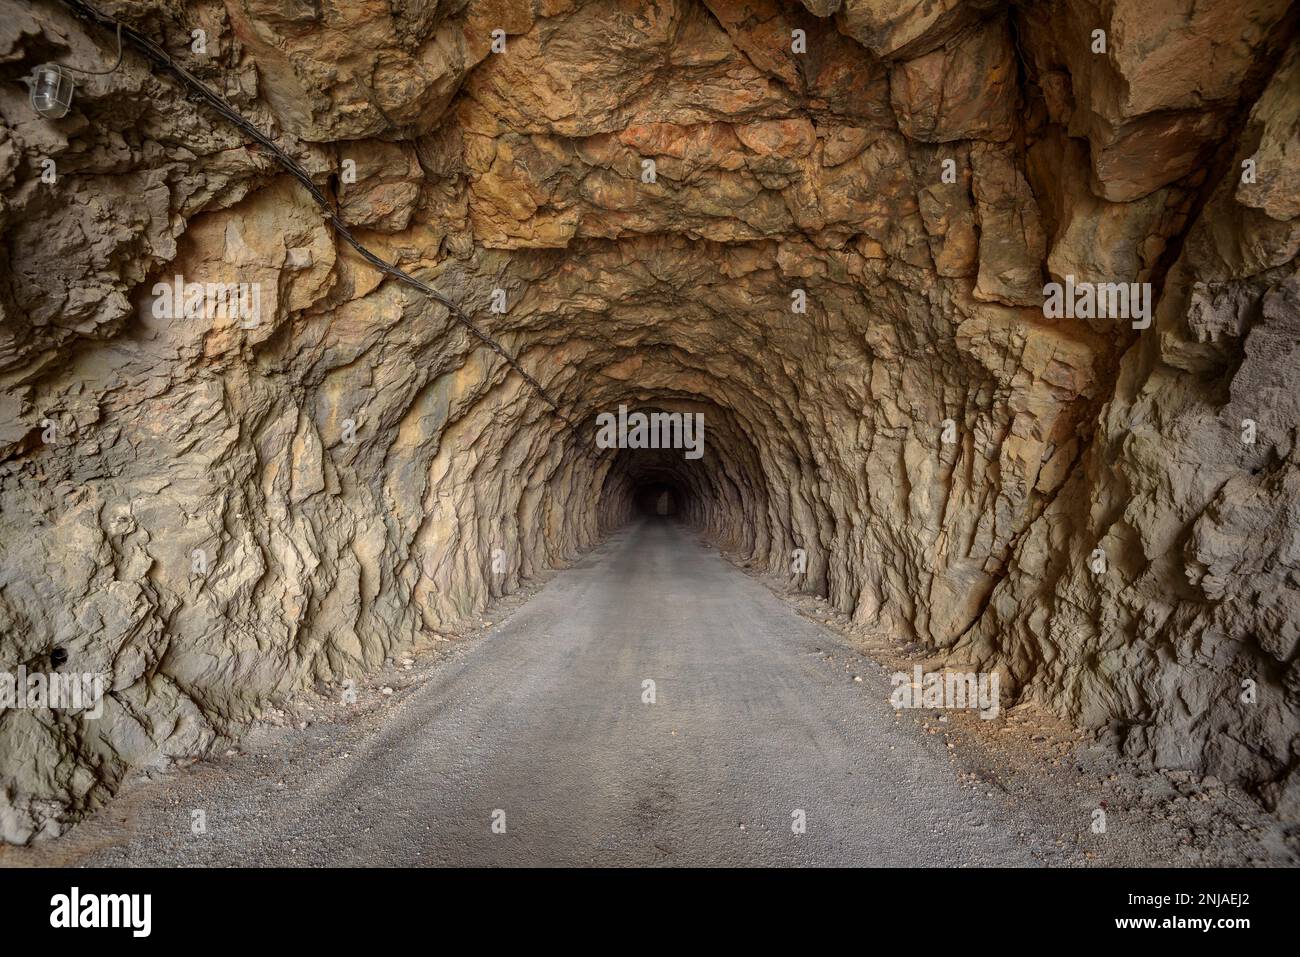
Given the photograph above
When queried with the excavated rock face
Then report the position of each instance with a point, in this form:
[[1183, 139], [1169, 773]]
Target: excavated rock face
[[838, 257]]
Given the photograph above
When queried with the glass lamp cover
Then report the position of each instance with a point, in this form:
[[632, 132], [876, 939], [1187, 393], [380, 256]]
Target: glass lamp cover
[[52, 87]]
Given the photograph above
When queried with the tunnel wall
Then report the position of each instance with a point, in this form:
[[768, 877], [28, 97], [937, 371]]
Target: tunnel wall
[[358, 474]]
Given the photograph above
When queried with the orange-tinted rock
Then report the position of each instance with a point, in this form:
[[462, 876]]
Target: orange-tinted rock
[[635, 200], [964, 90], [908, 28]]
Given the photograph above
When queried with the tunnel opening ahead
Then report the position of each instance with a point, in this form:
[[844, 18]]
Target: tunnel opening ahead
[[657, 499], [720, 485]]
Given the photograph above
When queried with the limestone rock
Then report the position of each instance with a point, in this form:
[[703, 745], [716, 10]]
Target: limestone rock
[[1152, 88], [965, 90], [890, 28], [836, 253]]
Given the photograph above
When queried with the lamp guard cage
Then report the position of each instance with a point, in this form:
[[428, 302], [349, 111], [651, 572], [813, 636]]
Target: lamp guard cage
[[51, 90]]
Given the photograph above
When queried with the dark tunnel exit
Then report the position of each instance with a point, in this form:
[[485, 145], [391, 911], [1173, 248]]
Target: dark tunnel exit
[[661, 499]]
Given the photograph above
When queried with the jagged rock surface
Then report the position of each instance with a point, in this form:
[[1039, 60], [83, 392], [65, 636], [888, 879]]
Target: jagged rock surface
[[358, 472]]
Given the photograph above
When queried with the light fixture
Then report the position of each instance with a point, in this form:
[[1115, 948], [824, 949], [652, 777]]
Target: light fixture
[[51, 90], [52, 84]]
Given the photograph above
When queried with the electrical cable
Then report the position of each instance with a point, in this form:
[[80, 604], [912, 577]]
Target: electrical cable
[[112, 69], [218, 103]]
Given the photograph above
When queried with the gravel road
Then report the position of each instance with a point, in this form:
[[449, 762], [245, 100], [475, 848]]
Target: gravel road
[[757, 723]]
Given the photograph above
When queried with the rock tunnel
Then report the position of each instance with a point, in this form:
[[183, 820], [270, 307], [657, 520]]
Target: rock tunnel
[[826, 229]]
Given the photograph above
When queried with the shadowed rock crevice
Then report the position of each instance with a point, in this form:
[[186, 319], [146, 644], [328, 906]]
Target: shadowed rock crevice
[[825, 226]]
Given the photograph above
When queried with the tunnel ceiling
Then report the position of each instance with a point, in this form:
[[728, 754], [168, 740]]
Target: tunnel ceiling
[[216, 513]]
